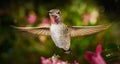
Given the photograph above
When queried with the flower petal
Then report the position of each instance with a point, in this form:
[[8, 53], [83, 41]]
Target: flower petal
[[99, 49], [88, 56]]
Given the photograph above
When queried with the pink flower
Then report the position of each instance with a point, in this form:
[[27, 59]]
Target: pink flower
[[45, 61], [46, 22], [90, 17], [86, 18], [75, 62], [54, 60], [95, 57], [31, 17], [57, 61]]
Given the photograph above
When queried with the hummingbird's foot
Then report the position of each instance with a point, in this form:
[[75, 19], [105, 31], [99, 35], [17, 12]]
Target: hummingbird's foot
[[67, 51]]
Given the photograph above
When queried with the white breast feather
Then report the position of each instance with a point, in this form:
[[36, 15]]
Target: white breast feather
[[58, 37]]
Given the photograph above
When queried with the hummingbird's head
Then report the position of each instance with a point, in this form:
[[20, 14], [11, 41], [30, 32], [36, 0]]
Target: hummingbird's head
[[55, 15]]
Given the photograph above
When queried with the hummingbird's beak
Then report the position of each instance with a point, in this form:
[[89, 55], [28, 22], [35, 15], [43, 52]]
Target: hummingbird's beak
[[49, 12]]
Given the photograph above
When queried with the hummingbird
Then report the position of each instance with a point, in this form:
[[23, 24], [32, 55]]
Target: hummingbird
[[60, 33]]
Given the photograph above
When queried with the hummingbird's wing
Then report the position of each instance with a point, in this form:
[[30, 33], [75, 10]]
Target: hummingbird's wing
[[77, 31], [45, 31]]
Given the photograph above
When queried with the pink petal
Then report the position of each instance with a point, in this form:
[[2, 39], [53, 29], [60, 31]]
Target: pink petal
[[75, 62], [99, 49], [88, 56], [98, 60], [31, 19], [95, 58], [45, 61], [45, 22], [54, 59]]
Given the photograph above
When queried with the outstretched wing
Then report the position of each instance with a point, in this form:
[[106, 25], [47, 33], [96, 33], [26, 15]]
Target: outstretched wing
[[45, 31], [86, 30]]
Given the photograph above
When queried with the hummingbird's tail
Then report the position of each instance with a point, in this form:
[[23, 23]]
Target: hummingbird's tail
[[67, 51]]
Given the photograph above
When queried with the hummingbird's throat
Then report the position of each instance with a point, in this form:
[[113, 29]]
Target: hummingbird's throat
[[54, 19]]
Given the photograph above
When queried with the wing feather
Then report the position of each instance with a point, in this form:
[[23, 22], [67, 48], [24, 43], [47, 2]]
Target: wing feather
[[45, 31], [77, 31]]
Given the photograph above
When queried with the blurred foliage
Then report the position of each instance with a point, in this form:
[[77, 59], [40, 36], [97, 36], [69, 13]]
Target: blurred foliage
[[17, 47]]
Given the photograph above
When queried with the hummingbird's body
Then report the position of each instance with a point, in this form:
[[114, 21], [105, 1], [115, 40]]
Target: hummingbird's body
[[61, 33]]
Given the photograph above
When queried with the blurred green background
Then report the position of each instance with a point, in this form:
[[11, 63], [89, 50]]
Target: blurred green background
[[17, 47]]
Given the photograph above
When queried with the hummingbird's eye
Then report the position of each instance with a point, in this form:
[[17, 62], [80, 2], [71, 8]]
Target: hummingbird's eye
[[58, 12]]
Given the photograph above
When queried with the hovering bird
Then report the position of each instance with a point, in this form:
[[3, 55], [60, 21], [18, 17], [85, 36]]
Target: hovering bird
[[60, 33]]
